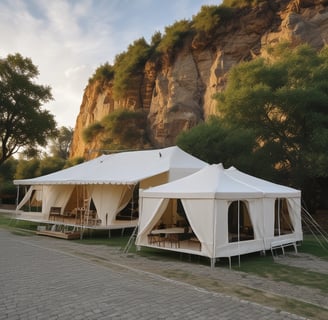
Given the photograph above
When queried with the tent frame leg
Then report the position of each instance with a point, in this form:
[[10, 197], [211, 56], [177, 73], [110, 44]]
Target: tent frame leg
[[213, 260]]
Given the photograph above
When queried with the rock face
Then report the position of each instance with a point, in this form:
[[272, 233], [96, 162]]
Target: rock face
[[178, 95]]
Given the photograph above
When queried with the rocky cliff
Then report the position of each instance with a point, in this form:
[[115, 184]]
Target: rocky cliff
[[177, 93]]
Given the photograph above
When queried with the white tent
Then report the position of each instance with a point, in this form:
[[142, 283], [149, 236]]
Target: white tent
[[227, 212], [107, 183]]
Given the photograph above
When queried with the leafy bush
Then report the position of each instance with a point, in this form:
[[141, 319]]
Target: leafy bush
[[156, 39], [103, 72], [27, 169], [49, 165], [121, 129], [73, 162], [129, 63], [174, 36], [90, 132], [241, 3], [209, 17], [216, 142], [127, 128]]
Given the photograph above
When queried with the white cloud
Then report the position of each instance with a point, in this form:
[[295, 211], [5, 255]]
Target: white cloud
[[69, 39]]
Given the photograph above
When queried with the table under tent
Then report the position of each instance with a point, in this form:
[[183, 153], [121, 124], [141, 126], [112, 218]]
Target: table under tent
[[219, 213], [101, 193]]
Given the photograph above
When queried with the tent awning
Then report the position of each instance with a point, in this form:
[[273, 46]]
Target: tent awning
[[215, 182], [122, 168]]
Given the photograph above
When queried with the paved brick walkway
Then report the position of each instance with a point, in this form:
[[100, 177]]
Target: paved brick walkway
[[45, 278]]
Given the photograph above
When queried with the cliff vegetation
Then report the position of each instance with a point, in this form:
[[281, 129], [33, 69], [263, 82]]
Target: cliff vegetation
[[155, 91]]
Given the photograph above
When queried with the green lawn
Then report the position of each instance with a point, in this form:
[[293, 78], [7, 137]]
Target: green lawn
[[263, 266], [260, 265]]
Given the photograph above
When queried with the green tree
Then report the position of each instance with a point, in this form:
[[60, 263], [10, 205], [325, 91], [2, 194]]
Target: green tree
[[156, 39], [241, 3], [49, 165], [209, 17], [104, 72], [27, 169], [128, 64], [174, 36], [60, 145], [121, 129], [7, 189], [284, 100], [215, 141], [73, 162], [23, 123]]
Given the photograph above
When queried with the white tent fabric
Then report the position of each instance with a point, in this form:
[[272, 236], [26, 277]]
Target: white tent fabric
[[110, 179], [26, 198], [56, 196], [124, 168], [206, 196], [268, 189], [109, 200]]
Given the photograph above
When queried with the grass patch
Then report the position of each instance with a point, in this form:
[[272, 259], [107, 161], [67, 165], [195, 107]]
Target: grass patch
[[262, 266], [315, 246], [264, 298], [4, 219], [265, 267], [113, 241], [24, 233]]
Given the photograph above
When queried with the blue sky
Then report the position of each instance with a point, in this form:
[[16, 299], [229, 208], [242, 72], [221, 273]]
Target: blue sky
[[69, 39]]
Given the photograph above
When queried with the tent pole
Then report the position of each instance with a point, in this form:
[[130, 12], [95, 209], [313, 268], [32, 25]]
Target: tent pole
[[212, 263], [17, 195], [238, 232], [278, 216], [132, 202]]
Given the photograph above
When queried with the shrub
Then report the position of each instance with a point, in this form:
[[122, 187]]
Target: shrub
[[209, 17], [129, 63], [241, 3], [121, 129], [127, 127], [103, 72], [90, 132], [174, 36], [156, 39]]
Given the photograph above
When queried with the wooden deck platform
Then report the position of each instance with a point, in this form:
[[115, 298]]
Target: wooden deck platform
[[60, 234]]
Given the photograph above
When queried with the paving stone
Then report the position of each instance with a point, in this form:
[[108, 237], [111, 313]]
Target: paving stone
[[45, 278]]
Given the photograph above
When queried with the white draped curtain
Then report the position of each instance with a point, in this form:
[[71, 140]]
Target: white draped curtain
[[109, 199], [151, 209], [55, 196], [200, 214]]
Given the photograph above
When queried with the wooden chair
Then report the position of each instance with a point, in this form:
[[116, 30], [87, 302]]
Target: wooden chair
[[54, 213], [174, 240]]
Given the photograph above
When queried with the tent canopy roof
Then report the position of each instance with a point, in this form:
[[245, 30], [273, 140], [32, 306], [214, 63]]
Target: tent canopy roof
[[121, 168], [213, 181]]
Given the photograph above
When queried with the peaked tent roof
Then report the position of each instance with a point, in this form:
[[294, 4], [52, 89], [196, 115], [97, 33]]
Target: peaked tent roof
[[213, 181], [268, 188], [121, 168]]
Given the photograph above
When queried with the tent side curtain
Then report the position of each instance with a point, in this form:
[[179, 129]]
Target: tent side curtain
[[200, 214], [126, 197], [151, 209], [255, 207], [109, 199], [55, 196], [294, 209], [26, 198]]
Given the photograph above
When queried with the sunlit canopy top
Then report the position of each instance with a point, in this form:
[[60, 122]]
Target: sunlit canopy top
[[123, 168], [213, 181]]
